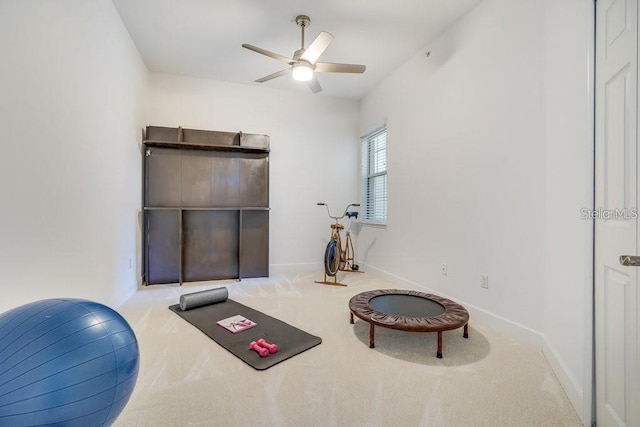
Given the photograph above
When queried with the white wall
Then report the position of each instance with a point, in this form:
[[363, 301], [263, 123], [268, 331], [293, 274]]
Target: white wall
[[467, 163], [489, 166], [567, 304], [71, 85], [314, 150]]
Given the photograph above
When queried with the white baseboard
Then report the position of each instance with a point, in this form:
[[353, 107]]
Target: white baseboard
[[517, 332], [303, 265], [569, 382], [121, 299]]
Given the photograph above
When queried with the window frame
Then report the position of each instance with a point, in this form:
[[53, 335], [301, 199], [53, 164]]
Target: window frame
[[373, 215]]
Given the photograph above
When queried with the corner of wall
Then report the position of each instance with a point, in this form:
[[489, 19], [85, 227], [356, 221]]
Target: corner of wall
[[121, 299], [569, 382]]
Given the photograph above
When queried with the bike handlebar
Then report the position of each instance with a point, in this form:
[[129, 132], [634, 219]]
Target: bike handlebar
[[343, 214]]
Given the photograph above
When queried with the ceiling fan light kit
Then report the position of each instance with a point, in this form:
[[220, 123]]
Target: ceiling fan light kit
[[303, 65], [302, 72]]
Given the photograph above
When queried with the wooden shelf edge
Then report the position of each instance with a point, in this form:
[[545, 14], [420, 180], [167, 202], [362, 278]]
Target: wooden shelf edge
[[183, 208], [204, 147]]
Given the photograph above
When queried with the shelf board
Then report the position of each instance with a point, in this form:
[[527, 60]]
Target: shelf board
[[204, 147], [183, 208]]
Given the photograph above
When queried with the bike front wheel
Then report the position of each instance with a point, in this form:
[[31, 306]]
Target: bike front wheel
[[332, 258]]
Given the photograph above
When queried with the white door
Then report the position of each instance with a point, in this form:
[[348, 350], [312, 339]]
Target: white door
[[616, 226]]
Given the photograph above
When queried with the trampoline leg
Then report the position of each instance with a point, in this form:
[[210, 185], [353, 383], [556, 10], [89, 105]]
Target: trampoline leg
[[466, 330], [351, 317], [439, 353], [371, 333]]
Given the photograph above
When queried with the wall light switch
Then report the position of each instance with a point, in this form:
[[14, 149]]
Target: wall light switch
[[484, 281]]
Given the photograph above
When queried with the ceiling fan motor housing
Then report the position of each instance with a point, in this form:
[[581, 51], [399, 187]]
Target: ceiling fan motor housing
[[303, 21], [297, 54]]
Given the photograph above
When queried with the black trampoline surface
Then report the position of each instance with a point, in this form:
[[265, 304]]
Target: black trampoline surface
[[408, 310], [406, 305]]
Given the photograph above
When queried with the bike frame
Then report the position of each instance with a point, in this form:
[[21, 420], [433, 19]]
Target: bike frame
[[346, 253]]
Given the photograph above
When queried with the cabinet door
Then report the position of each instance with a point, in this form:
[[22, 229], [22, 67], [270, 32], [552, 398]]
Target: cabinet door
[[210, 245], [162, 246], [225, 180], [254, 247], [254, 180], [163, 178], [195, 179]]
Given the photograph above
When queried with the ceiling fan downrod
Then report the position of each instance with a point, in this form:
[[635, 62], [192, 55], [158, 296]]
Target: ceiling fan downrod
[[302, 21]]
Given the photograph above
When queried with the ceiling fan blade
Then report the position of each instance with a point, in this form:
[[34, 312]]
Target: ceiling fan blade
[[319, 45], [274, 75], [329, 67], [268, 53], [314, 85]]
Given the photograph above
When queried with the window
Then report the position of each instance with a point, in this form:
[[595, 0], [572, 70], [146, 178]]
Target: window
[[374, 177]]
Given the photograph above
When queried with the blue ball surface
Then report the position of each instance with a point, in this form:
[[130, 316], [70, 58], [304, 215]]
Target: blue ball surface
[[65, 361]]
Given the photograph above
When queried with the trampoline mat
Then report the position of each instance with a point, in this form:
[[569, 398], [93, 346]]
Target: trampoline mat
[[406, 305]]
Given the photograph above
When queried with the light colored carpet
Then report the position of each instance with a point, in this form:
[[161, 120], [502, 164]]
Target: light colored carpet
[[186, 379]]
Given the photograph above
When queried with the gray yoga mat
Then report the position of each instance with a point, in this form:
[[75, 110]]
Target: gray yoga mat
[[290, 340], [202, 298]]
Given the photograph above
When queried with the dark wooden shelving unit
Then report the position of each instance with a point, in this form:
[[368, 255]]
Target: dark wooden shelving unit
[[206, 205]]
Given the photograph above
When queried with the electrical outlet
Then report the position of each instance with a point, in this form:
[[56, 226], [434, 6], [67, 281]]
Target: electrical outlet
[[484, 281], [443, 269]]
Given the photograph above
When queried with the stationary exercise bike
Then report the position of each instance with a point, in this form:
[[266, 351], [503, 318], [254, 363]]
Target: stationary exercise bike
[[338, 257]]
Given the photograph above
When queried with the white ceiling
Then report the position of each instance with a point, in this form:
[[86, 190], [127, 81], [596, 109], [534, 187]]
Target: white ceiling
[[203, 38]]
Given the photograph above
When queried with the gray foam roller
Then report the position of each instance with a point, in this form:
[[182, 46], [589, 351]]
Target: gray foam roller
[[202, 298]]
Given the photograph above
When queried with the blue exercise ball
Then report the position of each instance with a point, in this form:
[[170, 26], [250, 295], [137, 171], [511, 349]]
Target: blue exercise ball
[[65, 361]]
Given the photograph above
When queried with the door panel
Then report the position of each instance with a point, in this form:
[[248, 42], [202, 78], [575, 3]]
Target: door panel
[[616, 227], [211, 245], [618, 182], [163, 246], [254, 247], [195, 180], [616, 285], [254, 181], [225, 179], [164, 171]]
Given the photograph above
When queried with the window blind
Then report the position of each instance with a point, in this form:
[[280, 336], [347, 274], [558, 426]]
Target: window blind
[[374, 177]]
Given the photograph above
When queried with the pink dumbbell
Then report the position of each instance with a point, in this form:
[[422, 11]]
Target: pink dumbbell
[[263, 352], [273, 348]]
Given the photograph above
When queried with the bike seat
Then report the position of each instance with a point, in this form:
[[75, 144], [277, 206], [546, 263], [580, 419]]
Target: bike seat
[[352, 214], [338, 226]]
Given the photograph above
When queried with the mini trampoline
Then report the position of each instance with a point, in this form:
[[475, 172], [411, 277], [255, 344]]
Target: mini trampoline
[[410, 311]]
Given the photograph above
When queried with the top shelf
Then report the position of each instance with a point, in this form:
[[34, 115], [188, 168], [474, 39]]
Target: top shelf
[[195, 139], [205, 147]]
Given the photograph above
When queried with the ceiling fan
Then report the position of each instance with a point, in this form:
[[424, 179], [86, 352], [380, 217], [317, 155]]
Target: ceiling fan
[[304, 65]]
